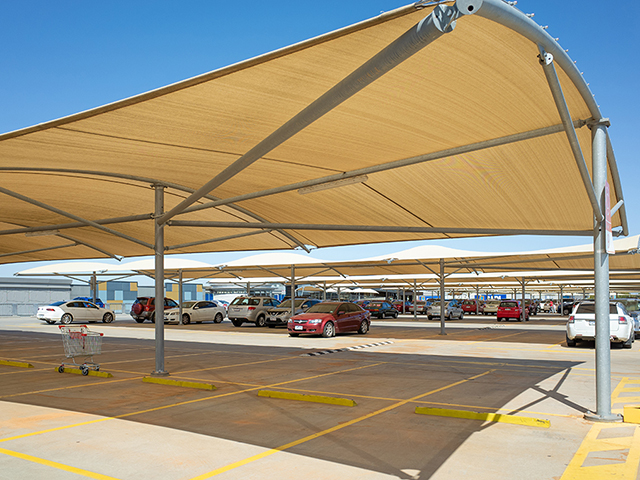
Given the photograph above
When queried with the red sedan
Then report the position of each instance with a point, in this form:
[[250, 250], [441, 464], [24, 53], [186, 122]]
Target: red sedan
[[329, 318]]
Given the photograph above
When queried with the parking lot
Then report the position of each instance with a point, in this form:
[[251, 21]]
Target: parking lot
[[63, 426]]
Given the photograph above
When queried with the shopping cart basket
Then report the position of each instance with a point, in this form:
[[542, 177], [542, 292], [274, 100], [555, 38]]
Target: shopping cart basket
[[78, 341]]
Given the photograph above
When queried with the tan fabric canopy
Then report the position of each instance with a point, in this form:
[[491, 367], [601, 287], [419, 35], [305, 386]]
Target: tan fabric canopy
[[482, 81]]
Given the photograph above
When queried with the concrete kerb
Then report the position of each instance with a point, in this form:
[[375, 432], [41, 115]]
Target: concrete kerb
[[487, 417], [347, 402], [12, 363], [179, 383]]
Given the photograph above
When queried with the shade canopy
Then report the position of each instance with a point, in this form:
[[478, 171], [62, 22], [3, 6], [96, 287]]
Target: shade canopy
[[456, 140]]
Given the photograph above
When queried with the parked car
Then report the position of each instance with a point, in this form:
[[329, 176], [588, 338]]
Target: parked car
[[74, 310], [329, 318], [144, 308], [280, 315], [399, 307], [452, 310], [470, 306], [196, 312], [567, 307], [491, 307], [381, 309], [90, 299], [250, 309], [511, 309], [531, 306], [420, 306], [582, 324]]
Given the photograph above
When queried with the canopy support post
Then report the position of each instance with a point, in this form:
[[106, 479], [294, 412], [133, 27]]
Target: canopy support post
[[293, 290], [324, 292], [159, 282], [601, 277], [524, 315], [441, 281], [180, 297], [94, 287], [415, 300]]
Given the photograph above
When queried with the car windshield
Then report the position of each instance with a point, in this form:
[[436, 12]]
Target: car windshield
[[188, 304], [322, 308], [508, 304], [246, 301], [493, 303], [287, 304], [591, 308], [468, 302], [56, 304]]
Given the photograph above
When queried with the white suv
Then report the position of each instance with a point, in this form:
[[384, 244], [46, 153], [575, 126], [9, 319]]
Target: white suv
[[582, 324]]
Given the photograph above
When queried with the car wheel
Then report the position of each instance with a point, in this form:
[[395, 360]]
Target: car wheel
[[449, 316], [261, 321], [139, 320], [429, 317], [461, 315], [66, 318], [395, 314], [107, 318], [570, 343], [293, 334], [153, 317], [628, 343], [328, 330], [236, 323], [50, 322], [364, 327], [186, 319], [218, 318], [499, 319]]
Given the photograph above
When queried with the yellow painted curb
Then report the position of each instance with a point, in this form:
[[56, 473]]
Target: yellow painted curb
[[308, 398], [92, 373], [631, 414], [179, 383], [15, 364], [489, 417]]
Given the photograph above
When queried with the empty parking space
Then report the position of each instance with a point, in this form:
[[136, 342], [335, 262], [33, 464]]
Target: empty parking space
[[232, 432]]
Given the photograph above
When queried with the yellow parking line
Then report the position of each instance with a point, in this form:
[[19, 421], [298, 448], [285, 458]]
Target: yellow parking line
[[627, 469], [125, 415], [33, 392], [59, 466], [496, 338], [340, 426]]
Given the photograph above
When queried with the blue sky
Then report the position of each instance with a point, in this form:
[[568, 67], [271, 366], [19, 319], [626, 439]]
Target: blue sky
[[61, 57]]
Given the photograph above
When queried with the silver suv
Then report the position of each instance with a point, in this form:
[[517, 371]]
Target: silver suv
[[250, 309]]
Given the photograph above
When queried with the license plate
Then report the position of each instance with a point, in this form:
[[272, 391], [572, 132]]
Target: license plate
[[298, 327]]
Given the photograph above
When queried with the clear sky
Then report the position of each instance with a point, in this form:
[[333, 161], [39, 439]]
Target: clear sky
[[64, 56]]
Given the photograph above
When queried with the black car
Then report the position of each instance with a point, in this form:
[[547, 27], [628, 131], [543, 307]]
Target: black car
[[381, 309]]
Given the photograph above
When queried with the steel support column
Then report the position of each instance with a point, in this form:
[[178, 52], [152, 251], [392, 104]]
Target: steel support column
[[180, 297], [442, 312], [601, 271], [159, 280], [522, 313], [324, 292], [94, 287], [415, 300], [293, 290]]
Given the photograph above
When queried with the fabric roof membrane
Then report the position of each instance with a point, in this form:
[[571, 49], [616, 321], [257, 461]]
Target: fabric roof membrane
[[478, 83]]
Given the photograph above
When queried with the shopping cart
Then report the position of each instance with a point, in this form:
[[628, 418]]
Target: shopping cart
[[78, 341]]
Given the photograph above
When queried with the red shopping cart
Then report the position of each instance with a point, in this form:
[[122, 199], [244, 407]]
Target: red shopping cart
[[78, 341]]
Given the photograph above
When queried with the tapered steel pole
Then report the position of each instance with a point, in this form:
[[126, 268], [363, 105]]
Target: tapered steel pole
[[159, 274], [601, 274], [442, 309], [180, 297]]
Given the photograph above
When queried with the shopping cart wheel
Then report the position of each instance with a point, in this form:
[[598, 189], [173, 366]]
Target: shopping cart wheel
[[97, 369], [85, 370], [61, 369]]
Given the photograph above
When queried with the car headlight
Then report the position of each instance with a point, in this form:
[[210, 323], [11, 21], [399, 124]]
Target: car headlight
[[315, 321], [290, 321]]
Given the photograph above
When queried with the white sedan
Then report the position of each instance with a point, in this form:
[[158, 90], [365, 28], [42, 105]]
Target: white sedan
[[197, 312], [74, 310], [452, 310], [582, 324]]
